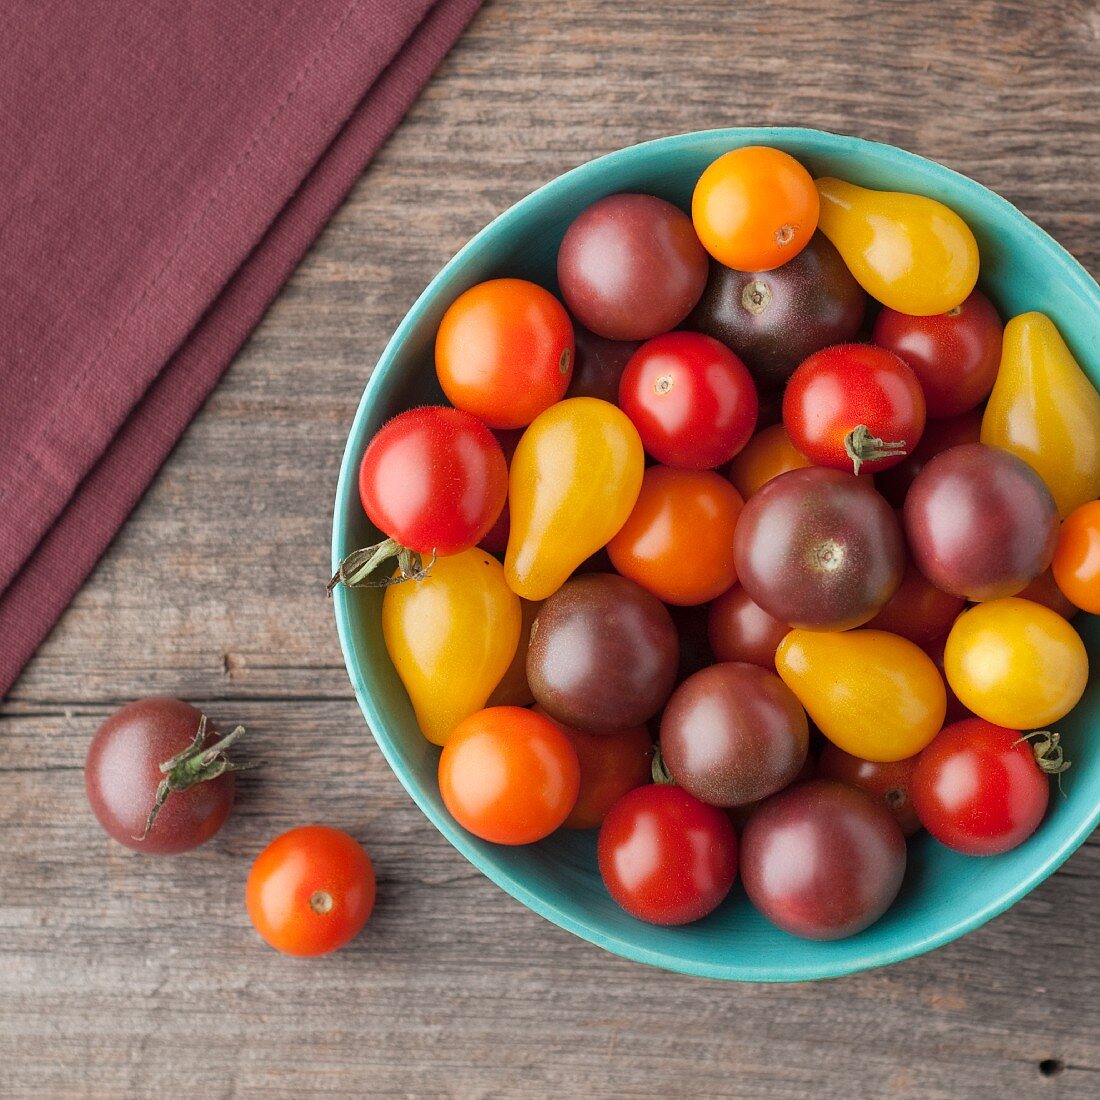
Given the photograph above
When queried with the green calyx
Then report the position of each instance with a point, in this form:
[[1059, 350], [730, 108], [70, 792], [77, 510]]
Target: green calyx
[[861, 446], [356, 569]]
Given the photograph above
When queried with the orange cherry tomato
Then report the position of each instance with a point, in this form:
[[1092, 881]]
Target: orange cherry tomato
[[678, 540], [768, 454], [504, 352], [310, 890], [509, 775], [611, 765], [1076, 565], [755, 208]]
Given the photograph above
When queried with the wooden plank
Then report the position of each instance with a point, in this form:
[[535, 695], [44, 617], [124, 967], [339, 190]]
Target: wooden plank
[[121, 976]]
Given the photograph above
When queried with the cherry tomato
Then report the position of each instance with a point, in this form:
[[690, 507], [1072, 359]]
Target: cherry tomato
[[666, 857], [938, 435], [955, 355], [691, 399], [1016, 663], [768, 454], [1076, 564], [599, 365], [504, 352], [678, 541], [509, 775], [918, 610], [754, 208], [611, 764], [434, 479], [310, 890], [854, 407], [979, 789], [741, 630], [1044, 589], [889, 783]]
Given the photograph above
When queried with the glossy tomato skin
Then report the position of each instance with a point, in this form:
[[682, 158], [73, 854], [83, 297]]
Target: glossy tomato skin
[[1076, 564], [978, 789], [819, 549], [678, 541], [980, 522], [822, 860], [504, 352], [938, 436], [691, 399], [509, 775], [955, 355], [630, 266], [434, 479], [311, 890], [775, 319], [891, 784], [918, 610], [666, 857], [599, 365], [741, 630], [768, 454], [840, 388], [604, 654], [733, 734], [122, 771]]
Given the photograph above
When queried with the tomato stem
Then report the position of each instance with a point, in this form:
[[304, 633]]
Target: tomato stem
[[1047, 749], [861, 446], [658, 770], [356, 569]]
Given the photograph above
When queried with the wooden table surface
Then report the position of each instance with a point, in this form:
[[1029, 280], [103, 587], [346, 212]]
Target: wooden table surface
[[127, 976]]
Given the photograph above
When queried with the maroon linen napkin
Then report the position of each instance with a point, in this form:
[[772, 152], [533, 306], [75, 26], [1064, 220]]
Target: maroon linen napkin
[[164, 167]]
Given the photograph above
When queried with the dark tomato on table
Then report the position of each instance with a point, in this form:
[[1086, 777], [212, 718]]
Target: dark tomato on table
[[611, 764], [599, 365], [955, 355], [980, 522], [739, 629], [939, 435], [666, 857], [504, 352], [918, 610], [733, 733], [630, 266], [775, 319], [145, 807], [691, 399], [891, 783], [311, 890], [822, 860], [819, 549], [604, 654], [854, 407], [979, 789], [434, 479], [678, 541], [495, 539]]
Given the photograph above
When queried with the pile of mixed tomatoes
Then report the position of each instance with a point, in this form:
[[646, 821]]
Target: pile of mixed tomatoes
[[778, 498]]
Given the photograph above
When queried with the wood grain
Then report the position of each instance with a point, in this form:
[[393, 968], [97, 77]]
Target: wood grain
[[122, 976]]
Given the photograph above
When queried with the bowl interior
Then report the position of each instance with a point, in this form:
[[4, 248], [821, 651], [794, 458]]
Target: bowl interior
[[945, 894]]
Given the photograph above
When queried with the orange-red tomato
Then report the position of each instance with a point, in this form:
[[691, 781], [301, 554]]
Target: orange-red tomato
[[678, 540], [504, 352], [1076, 565], [310, 890], [918, 610], [611, 764], [768, 454], [509, 775], [1044, 589], [755, 208]]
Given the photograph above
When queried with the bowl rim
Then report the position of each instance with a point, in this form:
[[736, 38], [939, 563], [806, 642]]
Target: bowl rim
[[465, 843]]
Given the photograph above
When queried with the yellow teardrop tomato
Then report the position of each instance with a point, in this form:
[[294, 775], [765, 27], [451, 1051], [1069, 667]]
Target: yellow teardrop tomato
[[1044, 409], [873, 694], [1016, 663], [574, 480], [910, 252], [451, 636]]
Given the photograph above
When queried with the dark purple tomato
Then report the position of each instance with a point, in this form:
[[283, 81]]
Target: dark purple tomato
[[126, 786], [938, 436], [741, 630], [775, 319], [981, 523], [598, 365], [603, 655], [733, 733], [822, 860], [631, 267], [890, 783], [819, 549]]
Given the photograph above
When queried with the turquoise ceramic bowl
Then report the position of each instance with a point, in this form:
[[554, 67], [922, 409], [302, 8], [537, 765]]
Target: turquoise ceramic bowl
[[945, 894]]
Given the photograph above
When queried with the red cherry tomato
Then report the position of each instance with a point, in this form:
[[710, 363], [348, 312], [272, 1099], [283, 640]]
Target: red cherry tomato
[[854, 407], [692, 400], [939, 435], [741, 630], [918, 610], [666, 857], [889, 783], [955, 355], [434, 479], [978, 789]]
